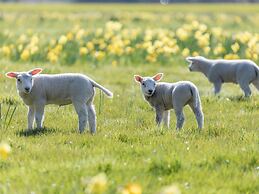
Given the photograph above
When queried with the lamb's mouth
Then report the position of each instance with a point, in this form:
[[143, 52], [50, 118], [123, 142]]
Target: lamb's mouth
[[149, 93], [27, 92]]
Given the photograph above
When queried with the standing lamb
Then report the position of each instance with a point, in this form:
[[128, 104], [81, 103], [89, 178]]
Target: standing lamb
[[242, 72], [165, 96], [60, 89]]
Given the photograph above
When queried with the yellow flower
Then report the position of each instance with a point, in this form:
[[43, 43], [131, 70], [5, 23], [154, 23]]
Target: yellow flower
[[206, 50], [52, 57], [22, 38], [62, 40], [132, 188], [5, 150], [25, 55], [182, 34], [97, 184], [70, 36], [113, 26], [185, 52], [34, 49], [173, 189], [217, 32], [195, 53], [6, 51], [34, 40], [235, 47], [114, 63], [203, 40], [90, 45], [83, 51], [219, 49], [80, 34], [99, 55], [231, 56], [151, 58]]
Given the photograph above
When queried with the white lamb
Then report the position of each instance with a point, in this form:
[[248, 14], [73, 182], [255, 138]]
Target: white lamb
[[242, 72], [165, 96], [59, 89]]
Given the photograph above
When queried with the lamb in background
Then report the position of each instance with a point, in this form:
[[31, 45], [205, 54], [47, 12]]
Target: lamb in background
[[165, 96], [60, 89], [242, 72]]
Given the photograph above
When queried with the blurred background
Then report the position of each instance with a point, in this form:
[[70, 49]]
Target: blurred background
[[134, 1]]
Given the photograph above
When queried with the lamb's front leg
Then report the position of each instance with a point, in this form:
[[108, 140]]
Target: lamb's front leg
[[159, 116], [31, 113], [166, 118], [217, 87], [39, 115]]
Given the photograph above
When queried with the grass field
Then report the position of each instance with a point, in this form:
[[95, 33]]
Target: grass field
[[128, 148]]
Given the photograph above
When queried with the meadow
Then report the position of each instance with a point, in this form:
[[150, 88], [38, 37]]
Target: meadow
[[129, 154]]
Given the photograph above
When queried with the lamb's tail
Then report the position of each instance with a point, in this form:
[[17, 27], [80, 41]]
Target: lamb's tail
[[106, 91], [196, 96]]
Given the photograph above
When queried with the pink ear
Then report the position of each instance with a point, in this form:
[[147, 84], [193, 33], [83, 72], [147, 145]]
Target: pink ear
[[138, 78], [35, 71], [11, 74], [158, 77]]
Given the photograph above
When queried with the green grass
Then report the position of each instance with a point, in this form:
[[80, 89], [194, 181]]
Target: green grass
[[128, 147]]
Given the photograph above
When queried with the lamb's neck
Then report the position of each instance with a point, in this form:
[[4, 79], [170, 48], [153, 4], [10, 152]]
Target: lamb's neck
[[206, 68]]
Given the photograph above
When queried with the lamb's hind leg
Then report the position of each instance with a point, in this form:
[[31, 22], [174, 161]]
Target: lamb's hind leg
[[198, 114], [91, 117], [81, 111], [245, 87], [256, 84]]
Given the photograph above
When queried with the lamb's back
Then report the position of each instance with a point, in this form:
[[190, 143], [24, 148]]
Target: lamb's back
[[61, 88]]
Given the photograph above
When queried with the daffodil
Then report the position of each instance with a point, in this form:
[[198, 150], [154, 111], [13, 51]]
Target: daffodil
[[132, 188], [6, 51], [235, 47], [5, 150], [83, 51], [96, 184], [25, 55], [185, 52], [62, 40]]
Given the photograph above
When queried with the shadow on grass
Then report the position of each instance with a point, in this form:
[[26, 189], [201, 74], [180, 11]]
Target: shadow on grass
[[35, 132], [238, 98]]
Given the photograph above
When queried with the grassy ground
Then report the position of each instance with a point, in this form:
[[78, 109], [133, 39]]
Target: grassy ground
[[128, 147]]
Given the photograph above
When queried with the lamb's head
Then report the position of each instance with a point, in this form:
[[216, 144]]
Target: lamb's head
[[196, 63], [24, 80], [148, 84]]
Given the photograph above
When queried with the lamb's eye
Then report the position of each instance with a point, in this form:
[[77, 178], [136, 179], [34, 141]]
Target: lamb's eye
[[19, 80], [143, 84]]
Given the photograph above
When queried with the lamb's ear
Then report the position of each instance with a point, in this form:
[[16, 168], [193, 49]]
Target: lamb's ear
[[158, 77], [189, 59], [35, 71], [11, 74], [138, 78]]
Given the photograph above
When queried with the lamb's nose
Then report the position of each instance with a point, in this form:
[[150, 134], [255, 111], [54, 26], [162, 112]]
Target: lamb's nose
[[150, 91], [27, 89]]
